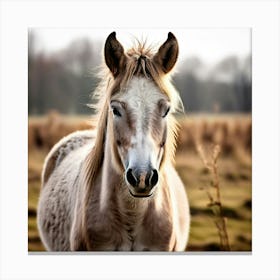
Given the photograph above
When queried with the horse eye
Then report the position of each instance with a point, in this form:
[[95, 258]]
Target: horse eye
[[167, 111], [116, 112]]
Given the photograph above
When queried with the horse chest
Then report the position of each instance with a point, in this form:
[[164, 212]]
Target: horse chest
[[144, 233], [131, 232]]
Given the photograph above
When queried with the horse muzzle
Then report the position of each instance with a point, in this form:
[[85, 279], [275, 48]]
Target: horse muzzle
[[141, 184]]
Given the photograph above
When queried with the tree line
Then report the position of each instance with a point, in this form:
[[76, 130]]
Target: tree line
[[64, 80]]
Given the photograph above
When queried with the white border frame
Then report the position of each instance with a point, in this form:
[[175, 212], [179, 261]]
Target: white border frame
[[18, 16]]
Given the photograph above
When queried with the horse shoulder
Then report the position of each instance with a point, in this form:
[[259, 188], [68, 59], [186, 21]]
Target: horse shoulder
[[61, 149]]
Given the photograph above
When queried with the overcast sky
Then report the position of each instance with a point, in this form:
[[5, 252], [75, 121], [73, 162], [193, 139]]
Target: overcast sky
[[209, 44]]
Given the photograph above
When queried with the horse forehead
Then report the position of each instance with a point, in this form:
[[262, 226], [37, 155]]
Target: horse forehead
[[142, 94]]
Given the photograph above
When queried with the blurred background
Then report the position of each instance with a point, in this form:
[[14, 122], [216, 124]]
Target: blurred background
[[213, 72], [213, 76]]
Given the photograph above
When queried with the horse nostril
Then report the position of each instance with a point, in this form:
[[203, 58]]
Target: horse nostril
[[131, 178], [153, 178]]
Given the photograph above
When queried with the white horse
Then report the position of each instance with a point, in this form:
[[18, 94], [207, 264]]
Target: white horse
[[116, 188]]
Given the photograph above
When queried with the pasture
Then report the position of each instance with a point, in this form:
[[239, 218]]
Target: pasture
[[231, 132]]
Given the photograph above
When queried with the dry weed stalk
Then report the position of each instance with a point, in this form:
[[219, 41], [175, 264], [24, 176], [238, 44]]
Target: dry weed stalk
[[215, 201]]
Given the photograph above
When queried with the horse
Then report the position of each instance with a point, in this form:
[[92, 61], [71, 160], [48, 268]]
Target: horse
[[115, 188]]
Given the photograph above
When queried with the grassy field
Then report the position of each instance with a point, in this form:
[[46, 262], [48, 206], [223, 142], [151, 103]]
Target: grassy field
[[231, 132]]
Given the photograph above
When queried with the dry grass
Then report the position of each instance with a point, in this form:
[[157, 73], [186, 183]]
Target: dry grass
[[44, 132], [232, 133], [215, 199]]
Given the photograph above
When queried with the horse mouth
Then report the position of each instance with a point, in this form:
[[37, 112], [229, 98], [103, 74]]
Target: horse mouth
[[140, 195]]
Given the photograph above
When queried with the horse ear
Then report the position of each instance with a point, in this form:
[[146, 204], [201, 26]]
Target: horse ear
[[167, 54], [114, 54]]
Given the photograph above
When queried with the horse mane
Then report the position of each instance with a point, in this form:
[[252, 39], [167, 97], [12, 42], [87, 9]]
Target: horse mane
[[139, 63]]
